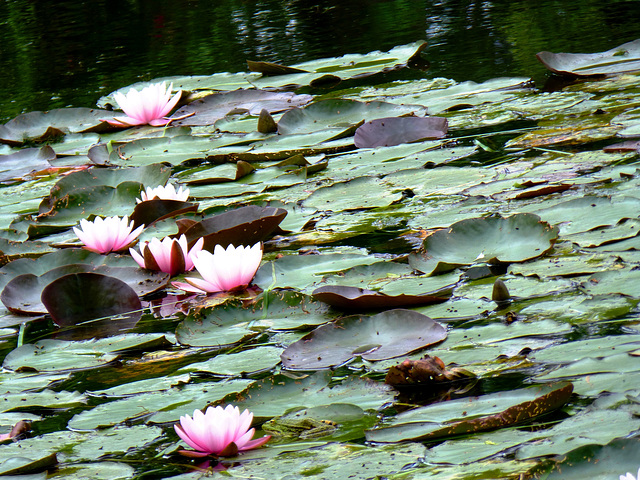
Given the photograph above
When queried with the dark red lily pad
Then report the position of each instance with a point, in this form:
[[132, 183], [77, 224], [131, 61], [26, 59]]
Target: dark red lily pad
[[621, 59], [386, 335], [242, 226], [385, 132], [79, 297], [146, 213], [22, 294], [352, 298]]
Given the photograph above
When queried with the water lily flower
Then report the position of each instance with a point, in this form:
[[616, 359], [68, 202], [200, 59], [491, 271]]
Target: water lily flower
[[164, 193], [170, 255], [149, 105], [219, 431], [109, 234], [224, 270], [629, 476]]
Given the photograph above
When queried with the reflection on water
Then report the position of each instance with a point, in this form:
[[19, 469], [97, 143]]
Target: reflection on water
[[56, 54]]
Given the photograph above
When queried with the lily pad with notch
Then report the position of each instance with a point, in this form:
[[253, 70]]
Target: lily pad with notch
[[492, 240], [242, 226], [22, 294], [355, 298], [386, 335], [78, 297]]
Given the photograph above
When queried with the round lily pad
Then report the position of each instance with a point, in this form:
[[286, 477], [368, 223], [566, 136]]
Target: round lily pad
[[386, 335], [492, 240], [78, 297]]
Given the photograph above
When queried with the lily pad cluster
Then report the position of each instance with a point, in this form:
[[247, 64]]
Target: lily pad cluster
[[482, 224]]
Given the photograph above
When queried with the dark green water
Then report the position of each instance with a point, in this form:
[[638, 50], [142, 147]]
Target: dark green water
[[57, 54]]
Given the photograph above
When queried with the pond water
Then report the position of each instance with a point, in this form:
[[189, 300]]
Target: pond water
[[57, 54], [530, 228]]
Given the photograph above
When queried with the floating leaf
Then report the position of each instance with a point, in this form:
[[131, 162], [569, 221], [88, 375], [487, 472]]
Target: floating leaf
[[22, 162], [490, 240], [276, 394], [207, 110], [242, 226], [623, 58], [473, 414], [78, 297], [385, 132], [355, 298], [41, 126], [386, 335]]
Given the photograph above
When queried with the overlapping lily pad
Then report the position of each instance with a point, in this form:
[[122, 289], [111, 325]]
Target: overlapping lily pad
[[386, 335]]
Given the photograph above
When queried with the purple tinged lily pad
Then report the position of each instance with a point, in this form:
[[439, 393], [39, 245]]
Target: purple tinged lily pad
[[79, 297], [146, 213], [355, 298], [621, 59], [207, 110], [386, 132], [386, 335], [18, 164]]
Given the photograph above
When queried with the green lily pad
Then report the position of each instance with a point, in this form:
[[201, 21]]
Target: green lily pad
[[205, 111], [359, 193], [340, 114], [275, 395], [493, 240], [60, 355], [386, 335], [623, 58], [468, 415]]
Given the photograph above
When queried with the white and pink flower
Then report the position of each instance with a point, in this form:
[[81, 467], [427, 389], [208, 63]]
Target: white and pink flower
[[147, 106]]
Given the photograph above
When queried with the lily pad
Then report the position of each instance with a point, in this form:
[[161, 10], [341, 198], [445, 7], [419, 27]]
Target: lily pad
[[386, 335], [22, 162], [78, 297], [242, 226], [623, 58], [492, 240], [275, 395], [205, 111], [341, 114], [470, 415], [385, 132], [355, 298]]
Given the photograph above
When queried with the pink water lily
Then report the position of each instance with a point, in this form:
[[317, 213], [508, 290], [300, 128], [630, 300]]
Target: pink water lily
[[110, 234], [224, 270], [629, 476], [164, 193], [219, 431], [170, 255], [149, 105]]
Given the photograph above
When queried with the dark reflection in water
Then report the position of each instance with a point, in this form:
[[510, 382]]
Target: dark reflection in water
[[56, 54]]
